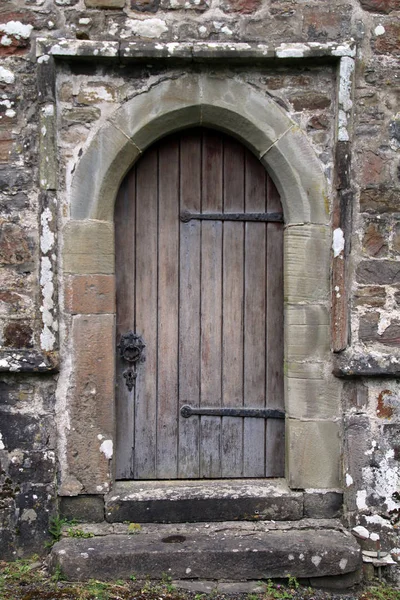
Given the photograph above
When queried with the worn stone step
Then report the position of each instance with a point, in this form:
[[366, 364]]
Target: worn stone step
[[201, 501], [227, 551]]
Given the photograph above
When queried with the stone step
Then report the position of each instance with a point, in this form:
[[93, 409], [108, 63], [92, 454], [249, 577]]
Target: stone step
[[223, 500], [210, 551]]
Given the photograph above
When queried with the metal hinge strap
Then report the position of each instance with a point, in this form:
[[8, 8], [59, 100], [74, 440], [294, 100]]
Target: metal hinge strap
[[187, 216], [263, 413]]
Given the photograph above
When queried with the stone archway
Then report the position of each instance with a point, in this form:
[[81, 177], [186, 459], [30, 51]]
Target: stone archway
[[312, 395]]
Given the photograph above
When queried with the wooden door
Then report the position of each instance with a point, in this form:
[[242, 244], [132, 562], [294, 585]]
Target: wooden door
[[206, 297]]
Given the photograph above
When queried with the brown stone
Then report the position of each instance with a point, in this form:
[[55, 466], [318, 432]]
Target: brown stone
[[17, 335], [370, 296], [368, 331], [396, 239], [105, 3], [374, 240], [384, 409], [14, 248], [242, 6], [325, 23], [91, 407], [389, 42], [90, 294], [379, 272], [373, 169], [6, 145], [310, 101], [318, 122], [380, 200], [380, 6]]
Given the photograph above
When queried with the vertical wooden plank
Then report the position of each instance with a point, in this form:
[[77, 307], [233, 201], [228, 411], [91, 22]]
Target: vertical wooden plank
[[232, 286], [146, 314], [254, 319], [168, 293], [211, 302], [275, 441], [189, 305], [125, 293]]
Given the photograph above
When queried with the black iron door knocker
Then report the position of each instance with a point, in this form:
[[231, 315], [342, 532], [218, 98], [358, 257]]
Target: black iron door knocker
[[131, 348]]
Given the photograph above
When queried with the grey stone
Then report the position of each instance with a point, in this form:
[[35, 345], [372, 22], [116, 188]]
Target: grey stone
[[83, 508], [338, 582], [378, 272], [48, 148], [351, 365], [29, 361], [191, 501], [196, 553], [326, 505], [46, 81]]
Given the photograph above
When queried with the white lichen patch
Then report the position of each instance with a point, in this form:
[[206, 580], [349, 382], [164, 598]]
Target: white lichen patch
[[361, 499], [384, 479], [337, 242], [345, 101], [6, 75], [343, 563], [361, 531], [29, 515], [47, 337], [316, 560], [383, 324], [379, 30], [107, 449], [349, 480], [1, 442], [16, 29], [47, 236]]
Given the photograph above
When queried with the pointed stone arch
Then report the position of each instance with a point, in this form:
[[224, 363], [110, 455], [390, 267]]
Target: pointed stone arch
[[312, 394]]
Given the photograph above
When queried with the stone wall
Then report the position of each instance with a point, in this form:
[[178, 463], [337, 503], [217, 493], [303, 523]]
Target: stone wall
[[32, 449]]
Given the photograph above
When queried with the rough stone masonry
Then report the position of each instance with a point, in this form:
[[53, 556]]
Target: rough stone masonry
[[66, 67]]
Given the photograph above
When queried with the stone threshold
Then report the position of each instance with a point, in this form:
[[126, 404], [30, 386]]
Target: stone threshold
[[227, 551], [193, 51], [189, 501]]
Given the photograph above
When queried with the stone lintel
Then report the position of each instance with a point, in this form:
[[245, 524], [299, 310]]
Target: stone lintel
[[28, 361], [193, 51], [349, 365]]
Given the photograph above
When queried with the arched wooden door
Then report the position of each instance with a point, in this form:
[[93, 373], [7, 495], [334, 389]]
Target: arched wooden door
[[205, 296]]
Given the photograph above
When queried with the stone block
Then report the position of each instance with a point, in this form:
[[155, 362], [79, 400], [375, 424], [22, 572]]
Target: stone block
[[99, 174], [379, 200], [314, 451], [88, 247], [372, 296], [200, 552], [309, 100], [145, 5], [307, 333], [298, 176], [375, 239], [322, 24], [324, 505], [87, 509], [194, 501], [388, 43], [48, 148], [338, 582], [312, 398], [307, 260], [369, 330], [90, 441], [380, 6], [357, 443], [90, 294], [105, 3], [244, 7], [14, 245], [378, 272], [18, 334]]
